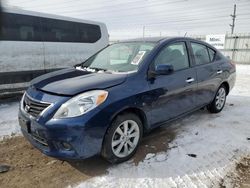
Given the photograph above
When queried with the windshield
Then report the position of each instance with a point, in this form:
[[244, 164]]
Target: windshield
[[120, 57]]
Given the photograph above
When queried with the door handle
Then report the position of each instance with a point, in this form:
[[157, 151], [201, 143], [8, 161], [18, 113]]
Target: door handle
[[219, 71], [190, 80]]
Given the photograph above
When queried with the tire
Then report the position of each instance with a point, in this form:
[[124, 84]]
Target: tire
[[219, 101], [117, 146]]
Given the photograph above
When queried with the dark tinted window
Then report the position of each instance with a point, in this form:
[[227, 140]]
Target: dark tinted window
[[201, 55], [0, 17], [211, 54], [174, 54], [66, 31], [89, 33], [59, 31], [18, 27]]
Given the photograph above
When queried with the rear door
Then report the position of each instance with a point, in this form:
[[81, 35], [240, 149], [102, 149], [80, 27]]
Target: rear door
[[173, 94], [209, 72]]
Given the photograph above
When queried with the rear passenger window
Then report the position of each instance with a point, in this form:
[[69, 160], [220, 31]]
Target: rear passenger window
[[201, 55], [174, 54], [211, 54]]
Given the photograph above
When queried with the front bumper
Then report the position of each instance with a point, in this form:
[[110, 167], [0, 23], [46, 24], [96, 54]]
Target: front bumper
[[64, 140]]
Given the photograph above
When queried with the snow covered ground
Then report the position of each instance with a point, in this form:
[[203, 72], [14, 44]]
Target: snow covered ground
[[215, 141], [8, 119]]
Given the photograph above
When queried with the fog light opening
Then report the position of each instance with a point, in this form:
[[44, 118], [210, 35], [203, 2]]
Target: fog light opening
[[66, 146]]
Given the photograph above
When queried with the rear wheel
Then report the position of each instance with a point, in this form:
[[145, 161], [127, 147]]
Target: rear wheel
[[219, 101], [122, 138]]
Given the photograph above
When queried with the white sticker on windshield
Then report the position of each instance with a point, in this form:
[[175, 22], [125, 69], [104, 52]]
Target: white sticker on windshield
[[138, 58]]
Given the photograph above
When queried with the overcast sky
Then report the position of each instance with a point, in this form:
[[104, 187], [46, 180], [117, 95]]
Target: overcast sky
[[126, 18]]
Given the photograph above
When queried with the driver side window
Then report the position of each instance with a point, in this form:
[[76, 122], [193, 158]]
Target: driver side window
[[173, 54]]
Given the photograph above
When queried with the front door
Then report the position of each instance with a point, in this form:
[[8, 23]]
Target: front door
[[173, 94]]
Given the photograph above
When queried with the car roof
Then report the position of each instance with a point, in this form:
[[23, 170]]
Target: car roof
[[154, 39], [146, 39], [164, 39]]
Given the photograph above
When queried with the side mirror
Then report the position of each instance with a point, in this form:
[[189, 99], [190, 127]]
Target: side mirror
[[161, 70], [164, 69]]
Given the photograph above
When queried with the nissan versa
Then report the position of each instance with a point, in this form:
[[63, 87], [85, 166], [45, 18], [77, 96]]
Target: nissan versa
[[105, 105]]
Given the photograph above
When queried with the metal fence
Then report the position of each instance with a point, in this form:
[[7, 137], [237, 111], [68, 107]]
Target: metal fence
[[237, 47]]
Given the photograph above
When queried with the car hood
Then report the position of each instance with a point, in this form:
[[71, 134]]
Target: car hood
[[72, 81]]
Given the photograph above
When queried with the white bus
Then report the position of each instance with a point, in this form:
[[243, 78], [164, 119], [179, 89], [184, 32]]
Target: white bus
[[33, 43]]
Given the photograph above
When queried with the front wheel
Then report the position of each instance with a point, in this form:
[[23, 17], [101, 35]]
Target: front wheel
[[219, 101], [122, 138]]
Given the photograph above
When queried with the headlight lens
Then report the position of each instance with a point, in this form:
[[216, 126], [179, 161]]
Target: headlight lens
[[81, 104]]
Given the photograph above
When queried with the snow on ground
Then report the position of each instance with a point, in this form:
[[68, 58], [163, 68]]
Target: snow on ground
[[217, 140], [8, 119]]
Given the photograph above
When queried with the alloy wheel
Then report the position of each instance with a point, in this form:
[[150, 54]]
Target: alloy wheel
[[220, 98], [125, 138]]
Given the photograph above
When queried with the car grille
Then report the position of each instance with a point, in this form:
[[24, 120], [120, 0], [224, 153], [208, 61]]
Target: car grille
[[33, 107]]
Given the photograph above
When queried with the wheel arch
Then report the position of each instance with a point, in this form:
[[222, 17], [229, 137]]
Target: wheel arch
[[137, 111], [226, 84]]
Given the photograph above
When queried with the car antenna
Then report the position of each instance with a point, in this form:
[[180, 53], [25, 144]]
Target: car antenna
[[185, 34]]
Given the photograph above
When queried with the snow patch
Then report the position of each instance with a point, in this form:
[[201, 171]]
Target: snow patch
[[9, 120], [149, 156]]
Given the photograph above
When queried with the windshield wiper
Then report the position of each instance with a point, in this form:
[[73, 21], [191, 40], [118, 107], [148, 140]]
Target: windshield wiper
[[97, 69]]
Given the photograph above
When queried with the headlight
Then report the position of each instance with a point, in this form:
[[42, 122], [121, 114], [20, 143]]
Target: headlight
[[81, 104]]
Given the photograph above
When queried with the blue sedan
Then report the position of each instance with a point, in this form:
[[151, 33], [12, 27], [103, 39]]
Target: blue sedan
[[106, 104]]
